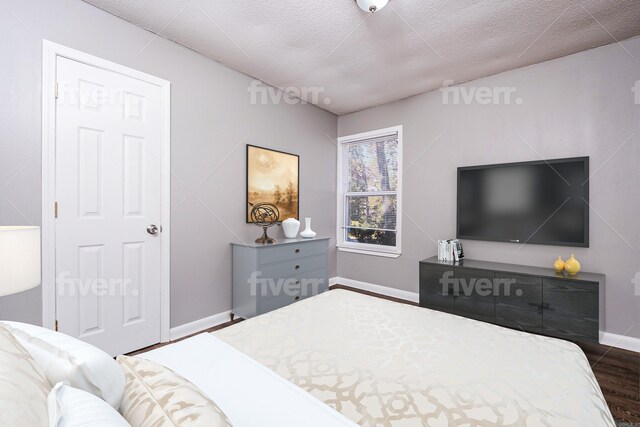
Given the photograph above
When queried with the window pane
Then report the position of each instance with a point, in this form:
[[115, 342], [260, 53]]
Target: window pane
[[373, 166], [371, 219], [372, 237]]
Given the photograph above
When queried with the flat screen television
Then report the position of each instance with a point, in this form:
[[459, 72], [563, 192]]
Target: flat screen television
[[542, 202]]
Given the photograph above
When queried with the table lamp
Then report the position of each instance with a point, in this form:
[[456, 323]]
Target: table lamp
[[19, 259]]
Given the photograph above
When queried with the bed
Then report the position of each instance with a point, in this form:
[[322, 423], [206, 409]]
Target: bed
[[377, 362]]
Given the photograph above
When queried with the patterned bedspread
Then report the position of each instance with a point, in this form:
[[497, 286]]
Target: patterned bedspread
[[382, 363]]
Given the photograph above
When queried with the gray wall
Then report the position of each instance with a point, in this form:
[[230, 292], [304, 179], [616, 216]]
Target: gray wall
[[212, 120], [574, 106]]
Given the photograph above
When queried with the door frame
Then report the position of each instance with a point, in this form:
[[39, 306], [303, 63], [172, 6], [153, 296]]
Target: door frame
[[50, 52]]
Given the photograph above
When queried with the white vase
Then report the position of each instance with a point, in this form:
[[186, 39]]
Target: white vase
[[308, 233], [290, 226]]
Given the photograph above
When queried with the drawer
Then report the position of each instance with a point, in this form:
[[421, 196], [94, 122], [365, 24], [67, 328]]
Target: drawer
[[436, 301], [291, 251], [313, 282], [570, 327], [270, 287], [475, 308], [432, 293], [521, 291], [473, 283], [304, 284], [431, 277], [519, 318], [266, 305], [571, 298], [293, 267]]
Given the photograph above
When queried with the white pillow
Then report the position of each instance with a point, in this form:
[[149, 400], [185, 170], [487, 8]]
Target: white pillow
[[23, 388], [63, 358], [70, 407]]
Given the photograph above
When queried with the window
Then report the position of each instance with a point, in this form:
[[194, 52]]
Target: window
[[369, 192]]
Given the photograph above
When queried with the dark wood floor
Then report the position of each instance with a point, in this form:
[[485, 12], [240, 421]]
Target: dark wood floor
[[617, 371]]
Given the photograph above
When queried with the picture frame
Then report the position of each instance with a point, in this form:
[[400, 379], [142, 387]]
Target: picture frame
[[273, 176]]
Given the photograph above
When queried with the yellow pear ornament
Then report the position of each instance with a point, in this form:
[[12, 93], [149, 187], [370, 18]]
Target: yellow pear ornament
[[558, 266], [572, 266]]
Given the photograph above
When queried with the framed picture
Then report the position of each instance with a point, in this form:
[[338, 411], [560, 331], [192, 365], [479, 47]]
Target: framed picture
[[273, 177]]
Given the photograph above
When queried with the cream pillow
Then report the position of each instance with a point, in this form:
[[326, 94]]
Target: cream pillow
[[23, 389], [156, 396], [64, 358], [71, 407]]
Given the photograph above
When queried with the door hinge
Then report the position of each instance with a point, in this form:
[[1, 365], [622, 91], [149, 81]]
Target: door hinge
[[56, 94], [56, 326], [55, 210]]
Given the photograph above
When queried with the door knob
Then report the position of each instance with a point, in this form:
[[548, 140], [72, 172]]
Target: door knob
[[153, 229]]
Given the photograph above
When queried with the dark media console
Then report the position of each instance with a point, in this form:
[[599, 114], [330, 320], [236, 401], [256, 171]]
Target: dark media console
[[531, 299]]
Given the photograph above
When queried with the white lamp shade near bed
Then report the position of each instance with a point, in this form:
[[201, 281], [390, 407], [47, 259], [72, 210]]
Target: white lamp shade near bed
[[19, 259]]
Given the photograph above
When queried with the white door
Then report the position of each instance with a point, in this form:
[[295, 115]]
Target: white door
[[108, 193]]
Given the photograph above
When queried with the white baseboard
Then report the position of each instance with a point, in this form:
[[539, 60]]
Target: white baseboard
[[620, 341], [199, 325], [383, 290]]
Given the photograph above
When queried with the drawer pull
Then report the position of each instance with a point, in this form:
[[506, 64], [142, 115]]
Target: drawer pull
[[297, 298], [297, 251], [297, 282], [297, 267]]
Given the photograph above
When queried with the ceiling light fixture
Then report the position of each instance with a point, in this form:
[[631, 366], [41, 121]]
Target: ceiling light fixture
[[372, 5]]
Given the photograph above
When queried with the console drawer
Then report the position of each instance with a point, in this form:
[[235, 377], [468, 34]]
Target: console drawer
[[522, 291], [520, 318], [570, 327], [570, 309], [475, 308], [473, 284], [578, 299], [432, 293]]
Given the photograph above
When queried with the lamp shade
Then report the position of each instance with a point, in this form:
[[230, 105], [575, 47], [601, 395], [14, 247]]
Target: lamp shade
[[19, 259]]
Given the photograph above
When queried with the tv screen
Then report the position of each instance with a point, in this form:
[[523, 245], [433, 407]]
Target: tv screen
[[539, 202]]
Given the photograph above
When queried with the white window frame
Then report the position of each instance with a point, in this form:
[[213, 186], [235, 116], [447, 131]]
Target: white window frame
[[367, 248]]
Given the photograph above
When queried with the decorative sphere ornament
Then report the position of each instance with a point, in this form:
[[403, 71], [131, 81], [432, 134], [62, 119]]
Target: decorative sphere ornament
[[265, 215]]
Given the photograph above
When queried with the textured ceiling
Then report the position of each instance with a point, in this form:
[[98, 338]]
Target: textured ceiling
[[360, 60]]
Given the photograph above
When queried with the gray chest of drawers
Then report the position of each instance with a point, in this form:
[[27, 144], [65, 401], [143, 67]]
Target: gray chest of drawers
[[267, 277]]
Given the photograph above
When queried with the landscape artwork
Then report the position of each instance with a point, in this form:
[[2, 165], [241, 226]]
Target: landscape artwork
[[273, 177]]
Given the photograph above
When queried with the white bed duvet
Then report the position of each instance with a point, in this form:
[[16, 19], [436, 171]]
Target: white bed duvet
[[378, 363], [382, 363], [250, 394]]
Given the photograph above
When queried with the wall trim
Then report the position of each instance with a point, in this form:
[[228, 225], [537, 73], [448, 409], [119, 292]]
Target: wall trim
[[199, 325], [378, 289], [620, 341]]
